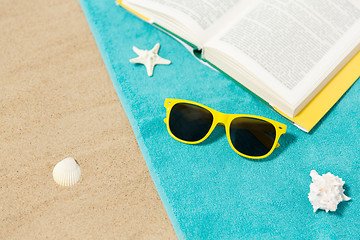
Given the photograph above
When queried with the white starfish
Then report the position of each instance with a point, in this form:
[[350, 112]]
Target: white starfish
[[149, 58]]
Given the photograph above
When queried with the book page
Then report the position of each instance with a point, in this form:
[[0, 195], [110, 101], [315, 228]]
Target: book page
[[293, 45], [201, 16], [203, 12]]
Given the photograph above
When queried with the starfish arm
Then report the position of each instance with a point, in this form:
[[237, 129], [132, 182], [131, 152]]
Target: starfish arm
[[150, 68], [155, 48], [160, 60], [133, 60], [137, 60], [138, 51]]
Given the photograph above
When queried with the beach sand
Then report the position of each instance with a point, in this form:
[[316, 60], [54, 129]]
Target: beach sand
[[56, 101]]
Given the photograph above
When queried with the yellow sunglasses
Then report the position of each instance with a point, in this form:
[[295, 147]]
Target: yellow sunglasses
[[250, 136]]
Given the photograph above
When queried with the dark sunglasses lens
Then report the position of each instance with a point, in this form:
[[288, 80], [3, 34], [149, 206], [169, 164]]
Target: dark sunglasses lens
[[252, 137], [189, 122]]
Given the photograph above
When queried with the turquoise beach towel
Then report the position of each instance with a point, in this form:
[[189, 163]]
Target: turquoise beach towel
[[208, 190]]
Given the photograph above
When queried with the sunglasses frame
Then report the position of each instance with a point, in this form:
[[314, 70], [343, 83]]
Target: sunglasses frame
[[224, 119]]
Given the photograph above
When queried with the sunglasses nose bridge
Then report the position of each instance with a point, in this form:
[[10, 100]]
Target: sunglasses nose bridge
[[221, 118]]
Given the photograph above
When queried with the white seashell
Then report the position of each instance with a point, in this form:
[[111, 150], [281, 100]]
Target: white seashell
[[67, 172], [326, 191]]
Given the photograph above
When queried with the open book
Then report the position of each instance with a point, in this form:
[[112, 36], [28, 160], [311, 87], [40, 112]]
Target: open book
[[288, 53]]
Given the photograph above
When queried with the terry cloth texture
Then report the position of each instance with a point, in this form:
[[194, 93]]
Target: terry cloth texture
[[208, 190]]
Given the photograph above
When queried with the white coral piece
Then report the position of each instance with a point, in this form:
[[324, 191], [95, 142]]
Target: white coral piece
[[326, 191]]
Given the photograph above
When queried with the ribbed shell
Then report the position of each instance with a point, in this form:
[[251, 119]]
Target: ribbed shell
[[67, 172]]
